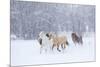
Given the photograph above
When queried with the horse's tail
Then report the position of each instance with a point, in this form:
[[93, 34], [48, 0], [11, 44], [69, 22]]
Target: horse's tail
[[81, 40], [67, 43]]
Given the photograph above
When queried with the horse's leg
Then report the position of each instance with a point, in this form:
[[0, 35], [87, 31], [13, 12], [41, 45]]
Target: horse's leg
[[52, 47], [62, 46], [75, 42], [81, 41], [58, 48], [45, 50], [41, 49]]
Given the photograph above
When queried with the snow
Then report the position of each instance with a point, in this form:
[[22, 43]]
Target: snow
[[13, 37], [27, 52]]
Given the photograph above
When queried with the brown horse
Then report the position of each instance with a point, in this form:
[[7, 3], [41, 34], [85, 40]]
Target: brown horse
[[76, 38]]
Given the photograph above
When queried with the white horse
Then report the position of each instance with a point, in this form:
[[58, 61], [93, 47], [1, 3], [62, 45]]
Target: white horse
[[44, 41]]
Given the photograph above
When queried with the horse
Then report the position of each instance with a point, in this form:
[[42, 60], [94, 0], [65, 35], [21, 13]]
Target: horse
[[58, 41], [44, 42], [76, 38]]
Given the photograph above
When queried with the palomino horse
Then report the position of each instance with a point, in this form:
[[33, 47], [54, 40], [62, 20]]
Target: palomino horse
[[58, 41]]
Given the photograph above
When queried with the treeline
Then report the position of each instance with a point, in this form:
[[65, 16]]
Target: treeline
[[29, 18]]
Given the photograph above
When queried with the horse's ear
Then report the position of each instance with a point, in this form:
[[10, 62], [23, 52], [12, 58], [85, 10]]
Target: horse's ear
[[47, 35]]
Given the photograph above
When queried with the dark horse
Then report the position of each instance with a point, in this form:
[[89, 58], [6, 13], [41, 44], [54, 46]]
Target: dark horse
[[76, 38]]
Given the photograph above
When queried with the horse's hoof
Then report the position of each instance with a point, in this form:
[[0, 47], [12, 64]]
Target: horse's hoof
[[59, 50]]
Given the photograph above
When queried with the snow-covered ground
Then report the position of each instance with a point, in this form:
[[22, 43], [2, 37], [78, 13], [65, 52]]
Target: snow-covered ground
[[27, 52]]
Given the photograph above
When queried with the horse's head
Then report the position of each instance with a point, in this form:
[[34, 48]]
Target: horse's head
[[41, 34], [51, 35]]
